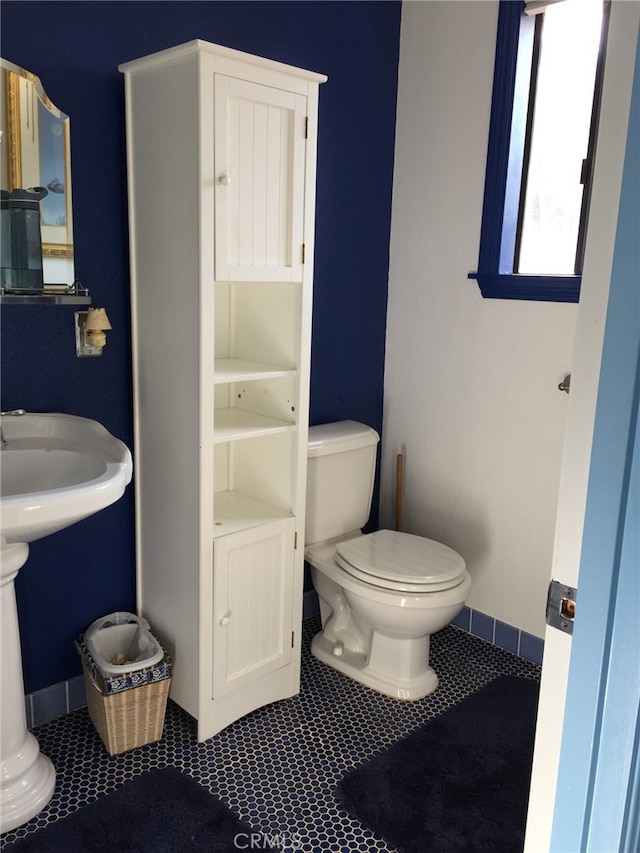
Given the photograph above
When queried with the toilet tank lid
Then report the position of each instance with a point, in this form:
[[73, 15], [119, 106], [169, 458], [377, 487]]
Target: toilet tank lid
[[340, 436]]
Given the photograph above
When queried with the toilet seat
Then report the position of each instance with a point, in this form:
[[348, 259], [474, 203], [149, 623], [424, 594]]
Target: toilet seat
[[401, 561]]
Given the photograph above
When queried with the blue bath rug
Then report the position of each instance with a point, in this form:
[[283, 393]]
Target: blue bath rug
[[162, 811], [460, 783]]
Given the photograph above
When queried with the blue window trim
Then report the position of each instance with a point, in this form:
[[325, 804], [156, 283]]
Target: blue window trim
[[495, 275]]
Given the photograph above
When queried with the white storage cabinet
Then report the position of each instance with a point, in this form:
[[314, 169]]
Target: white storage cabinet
[[221, 150]]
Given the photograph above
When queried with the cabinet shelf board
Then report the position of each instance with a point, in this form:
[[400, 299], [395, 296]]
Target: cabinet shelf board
[[239, 370], [234, 511], [237, 424]]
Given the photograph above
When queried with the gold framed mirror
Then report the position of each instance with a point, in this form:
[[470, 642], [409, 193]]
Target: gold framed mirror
[[36, 153]]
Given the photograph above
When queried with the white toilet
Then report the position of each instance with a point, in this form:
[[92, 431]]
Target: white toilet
[[381, 594]]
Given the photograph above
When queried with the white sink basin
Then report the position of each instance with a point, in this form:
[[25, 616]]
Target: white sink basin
[[55, 470]]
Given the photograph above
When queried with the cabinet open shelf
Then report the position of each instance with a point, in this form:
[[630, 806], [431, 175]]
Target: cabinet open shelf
[[234, 511], [239, 370], [237, 424]]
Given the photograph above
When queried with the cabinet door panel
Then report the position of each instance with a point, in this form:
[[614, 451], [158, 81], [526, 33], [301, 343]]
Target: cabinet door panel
[[252, 589], [259, 167]]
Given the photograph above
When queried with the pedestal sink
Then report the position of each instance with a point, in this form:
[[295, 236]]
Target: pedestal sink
[[55, 470]]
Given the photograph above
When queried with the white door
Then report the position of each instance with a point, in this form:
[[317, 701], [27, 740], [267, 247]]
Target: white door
[[550, 790], [252, 604], [260, 136]]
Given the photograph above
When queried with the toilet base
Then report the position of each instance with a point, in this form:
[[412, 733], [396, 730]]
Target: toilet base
[[356, 665]]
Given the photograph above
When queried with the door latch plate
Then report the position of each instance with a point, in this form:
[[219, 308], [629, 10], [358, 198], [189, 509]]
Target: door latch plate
[[561, 606]]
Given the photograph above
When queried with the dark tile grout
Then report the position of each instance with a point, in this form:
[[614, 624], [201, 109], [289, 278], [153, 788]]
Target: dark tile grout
[[278, 766]]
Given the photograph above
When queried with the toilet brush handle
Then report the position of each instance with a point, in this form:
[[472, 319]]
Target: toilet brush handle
[[399, 479]]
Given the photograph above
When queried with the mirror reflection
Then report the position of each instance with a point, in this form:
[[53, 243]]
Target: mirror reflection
[[35, 180]]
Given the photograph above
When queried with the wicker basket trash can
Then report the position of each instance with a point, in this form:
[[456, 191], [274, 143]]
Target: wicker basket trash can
[[127, 693]]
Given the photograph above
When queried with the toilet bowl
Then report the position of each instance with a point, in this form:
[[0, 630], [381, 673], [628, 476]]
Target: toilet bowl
[[379, 635], [381, 594]]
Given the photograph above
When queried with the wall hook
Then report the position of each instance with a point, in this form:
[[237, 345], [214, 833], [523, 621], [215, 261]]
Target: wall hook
[[565, 384]]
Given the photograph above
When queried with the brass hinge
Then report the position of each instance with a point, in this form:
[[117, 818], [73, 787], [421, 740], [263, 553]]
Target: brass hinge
[[295, 540], [304, 248], [293, 633], [306, 127]]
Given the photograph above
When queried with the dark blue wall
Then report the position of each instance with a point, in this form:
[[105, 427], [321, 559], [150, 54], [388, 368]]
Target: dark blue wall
[[75, 49]]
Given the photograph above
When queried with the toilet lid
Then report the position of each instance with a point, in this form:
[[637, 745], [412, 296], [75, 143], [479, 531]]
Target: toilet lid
[[401, 561]]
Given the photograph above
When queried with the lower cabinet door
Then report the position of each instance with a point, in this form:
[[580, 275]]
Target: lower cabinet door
[[252, 604]]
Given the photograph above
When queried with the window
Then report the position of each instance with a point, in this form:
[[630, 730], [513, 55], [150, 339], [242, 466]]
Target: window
[[547, 80]]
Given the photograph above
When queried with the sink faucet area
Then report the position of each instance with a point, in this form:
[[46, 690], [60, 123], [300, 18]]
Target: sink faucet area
[[14, 413], [55, 469]]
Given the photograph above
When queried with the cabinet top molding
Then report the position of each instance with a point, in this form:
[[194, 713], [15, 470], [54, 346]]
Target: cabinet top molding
[[199, 46]]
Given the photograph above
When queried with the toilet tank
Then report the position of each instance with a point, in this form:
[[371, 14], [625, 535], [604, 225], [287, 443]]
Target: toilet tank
[[340, 475]]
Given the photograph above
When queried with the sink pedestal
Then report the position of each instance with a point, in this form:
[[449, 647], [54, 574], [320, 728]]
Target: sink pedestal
[[56, 470], [27, 779]]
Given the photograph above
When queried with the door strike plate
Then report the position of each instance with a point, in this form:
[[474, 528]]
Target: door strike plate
[[561, 606]]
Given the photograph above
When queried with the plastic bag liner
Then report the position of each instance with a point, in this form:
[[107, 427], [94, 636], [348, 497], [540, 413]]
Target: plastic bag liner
[[122, 642]]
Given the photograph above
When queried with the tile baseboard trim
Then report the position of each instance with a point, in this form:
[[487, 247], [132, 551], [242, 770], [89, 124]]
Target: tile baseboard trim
[[53, 701], [66, 696], [520, 643], [310, 604], [498, 633]]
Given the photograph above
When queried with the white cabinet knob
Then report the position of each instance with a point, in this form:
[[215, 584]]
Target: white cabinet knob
[[225, 620], [224, 180]]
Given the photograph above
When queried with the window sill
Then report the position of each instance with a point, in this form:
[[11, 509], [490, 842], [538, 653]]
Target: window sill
[[540, 288]]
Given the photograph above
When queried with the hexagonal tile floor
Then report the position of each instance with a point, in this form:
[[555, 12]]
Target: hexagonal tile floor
[[277, 768]]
